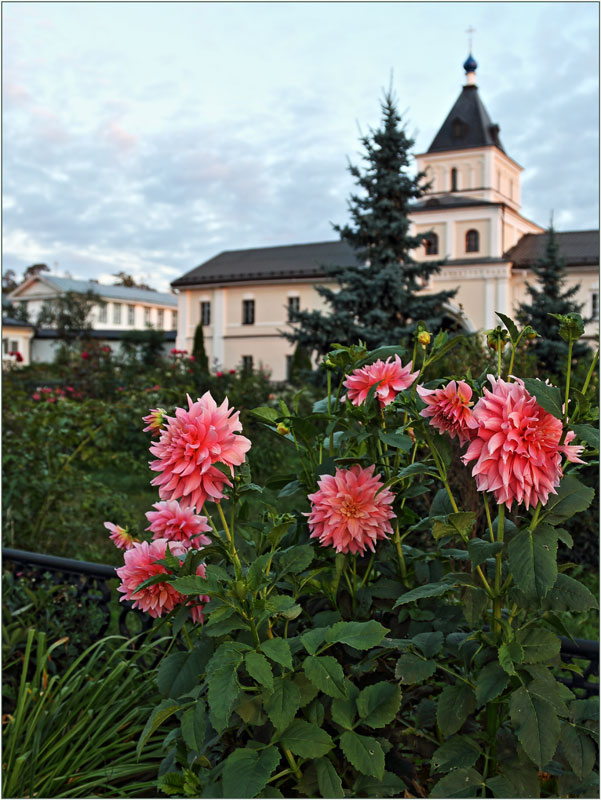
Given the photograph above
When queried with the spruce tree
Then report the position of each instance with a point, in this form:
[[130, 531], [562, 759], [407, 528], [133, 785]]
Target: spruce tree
[[550, 296], [198, 349], [379, 301]]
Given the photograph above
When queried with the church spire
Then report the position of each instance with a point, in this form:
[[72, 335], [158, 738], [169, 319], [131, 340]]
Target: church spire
[[470, 65]]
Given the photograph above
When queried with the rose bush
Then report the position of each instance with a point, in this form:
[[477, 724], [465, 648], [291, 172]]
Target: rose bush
[[394, 634]]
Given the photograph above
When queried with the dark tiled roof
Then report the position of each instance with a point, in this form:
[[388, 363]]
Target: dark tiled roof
[[467, 125], [11, 322], [110, 335], [449, 201], [579, 248], [269, 263]]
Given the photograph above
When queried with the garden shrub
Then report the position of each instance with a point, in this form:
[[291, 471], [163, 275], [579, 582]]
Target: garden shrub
[[398, 631]]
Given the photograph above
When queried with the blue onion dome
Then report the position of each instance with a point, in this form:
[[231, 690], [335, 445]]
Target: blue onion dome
[[470, 64]]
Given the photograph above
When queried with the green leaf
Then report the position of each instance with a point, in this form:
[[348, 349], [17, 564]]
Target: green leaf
[[457, 752], [480, 550], [459, 783], [162, 712], [313, 639], [411, 668], [328, 780], [571, 498], [379, 703], [360, 635], [390, 785], [266, 413], [295, 559], [344, 709], [430, 642], [398, 440], [278, 650], [258, 667], [179, 672], [454, 705], [533, 560], [588, 434], [196, 584], [491, 682], [578, 749], [308, 692], [538, 644], [474, 602], [549, 397], [568, 594], [510, 653], [325, 673], [193, 725], [460, 523], [246, 771], [306, 740], [536, 725], [364, 752], [514, 334], [428, 590], [222, 679], [283, 703], [171, 783]]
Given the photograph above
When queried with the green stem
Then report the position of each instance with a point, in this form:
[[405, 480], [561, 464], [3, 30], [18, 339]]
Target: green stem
[[230, 538], [399, 551], [498, 600], [340, 559], [488, 518], [295, 768], [590, 372], [368, 570], [499, 358], [535, 516], [568, 375]]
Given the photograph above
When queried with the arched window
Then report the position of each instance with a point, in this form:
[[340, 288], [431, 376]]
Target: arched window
[[472, 241], [431, 244], [454, 179]]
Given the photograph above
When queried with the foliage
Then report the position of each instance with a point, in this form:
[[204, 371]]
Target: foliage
[[124, 279], [549, 296], [427, 667], [70, 314], [74, 734], [380, 300], [143, 347], [198, 350]]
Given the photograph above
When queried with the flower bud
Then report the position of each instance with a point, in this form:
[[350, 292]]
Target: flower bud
[[282, 429], [423, 337]]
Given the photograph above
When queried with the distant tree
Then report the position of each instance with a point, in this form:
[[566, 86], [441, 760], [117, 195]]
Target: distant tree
[[35, 270], [379, 301], [70, 314], [301, 364], [130, 282], [145, 347], [550, 296], [9, 281], [198, 349]]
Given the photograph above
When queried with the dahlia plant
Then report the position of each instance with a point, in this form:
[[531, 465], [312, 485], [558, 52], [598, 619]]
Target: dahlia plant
[[398, 632]]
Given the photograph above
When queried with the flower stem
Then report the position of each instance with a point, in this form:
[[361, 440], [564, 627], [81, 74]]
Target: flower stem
[[498, 602], [590, 372], [368, 570], [295, 768], [230, 538], [399, 550], [568, 375]]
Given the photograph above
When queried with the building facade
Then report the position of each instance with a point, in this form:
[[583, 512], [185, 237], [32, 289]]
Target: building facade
[[471, 213]]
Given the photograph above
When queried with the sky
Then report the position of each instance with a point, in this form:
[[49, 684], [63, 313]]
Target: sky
[[149, 137]]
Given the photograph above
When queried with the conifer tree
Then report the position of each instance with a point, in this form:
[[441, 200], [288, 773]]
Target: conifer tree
[[550, 296], [198, 349], [378, 301]]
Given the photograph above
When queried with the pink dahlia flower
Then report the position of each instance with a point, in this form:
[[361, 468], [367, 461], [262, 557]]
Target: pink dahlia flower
[[155, 420], [516, 447], [393, 375], [190, 444], [120, 537], [449, 409], [178, 524], [159, 598], [348, 513]]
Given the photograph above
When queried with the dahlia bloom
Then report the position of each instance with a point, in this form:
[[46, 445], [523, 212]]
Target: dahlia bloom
[[190, 444], [516, 446], [393, 375], [155, 420], [159, 598], [120, 537], [348, 513], [449, 409], [178, 524]]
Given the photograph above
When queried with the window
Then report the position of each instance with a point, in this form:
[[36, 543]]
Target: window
[[205, 312], [160, 318], [454, 179], [248, 312], [14, 346], [595, 305], [117, 313], [102, 312], [431, 244], [293, 306], [146, 315], [247, 363], [472, 241], [5, 346], [174, 320], [131, 315]]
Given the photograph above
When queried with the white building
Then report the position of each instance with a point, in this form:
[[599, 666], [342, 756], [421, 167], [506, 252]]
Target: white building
[[472, 210]]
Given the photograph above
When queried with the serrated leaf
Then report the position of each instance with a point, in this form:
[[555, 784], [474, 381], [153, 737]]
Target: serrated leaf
[[549, 397], [428, 590], [578, 749], [491, 682], [171, 783], [460, 523], [278, 650], [568, 594], [360, 635], [538, 644], [196, 584], [258, 667], [325, 673], [390, 785], [307, 740], [328, 780], [510, 653], [459, 783], [536, 725], [162, 712], [283, 703], [480, 550], [295, 559], [179, 672], [455, 703], [588, 434], [246, 771], [266, 413], [364, 752], [379, 703], [411, 668], [313, 639], [193, 725], [344, 709], [474, 602], [308, 692], [571, 498], [514, 334], [533, 560], [456, 753], [429, 642]]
